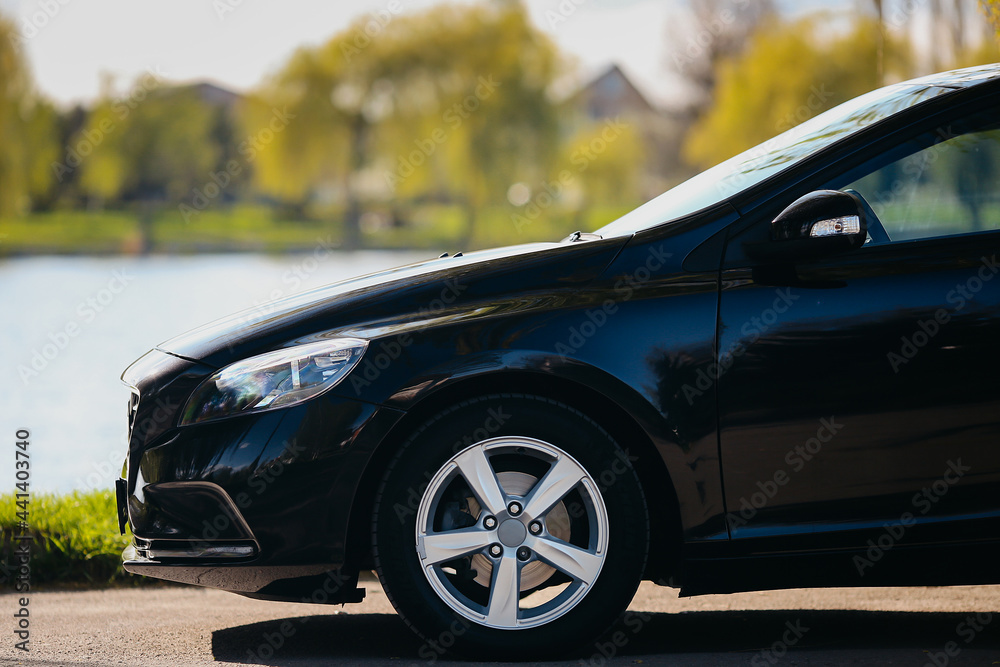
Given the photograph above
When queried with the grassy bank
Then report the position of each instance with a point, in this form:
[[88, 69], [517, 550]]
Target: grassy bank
[[75, 539], [257, 229]]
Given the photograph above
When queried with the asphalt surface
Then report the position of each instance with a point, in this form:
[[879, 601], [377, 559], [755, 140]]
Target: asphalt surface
[[188, 626]]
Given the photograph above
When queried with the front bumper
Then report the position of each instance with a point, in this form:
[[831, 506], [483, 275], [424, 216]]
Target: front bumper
[[318, 584], [258, 504]]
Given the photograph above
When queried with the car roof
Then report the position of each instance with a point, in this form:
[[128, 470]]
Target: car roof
[[958, 78]]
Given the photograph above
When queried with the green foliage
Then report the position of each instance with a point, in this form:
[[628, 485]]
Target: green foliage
[[448, 103], [432, 226], [27, 130], [68, 232], [606, 164], [402, 113], [789, 73], [398, 114], [991, 8], [76, 537], [155, 144], [247, 228]]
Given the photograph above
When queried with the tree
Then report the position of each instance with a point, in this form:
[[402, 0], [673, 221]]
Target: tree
[[153, 147], [786, 76], [500, 127], [607, 166], [27, 130], [450, 102], [40, 128], [991, 8], [718, 30]]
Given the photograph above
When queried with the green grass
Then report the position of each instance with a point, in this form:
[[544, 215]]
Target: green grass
[[441, 226], [256, 228], [244, 228], [75, 538], [69, 231], [111, 232]]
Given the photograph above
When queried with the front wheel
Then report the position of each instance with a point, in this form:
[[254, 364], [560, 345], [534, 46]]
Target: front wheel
[[510, 526]]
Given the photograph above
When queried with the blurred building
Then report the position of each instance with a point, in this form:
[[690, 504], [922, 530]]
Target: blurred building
[[611, 94], [214, 95]]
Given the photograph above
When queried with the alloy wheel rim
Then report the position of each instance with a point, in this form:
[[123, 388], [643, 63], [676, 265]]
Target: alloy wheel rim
[[472, 510]]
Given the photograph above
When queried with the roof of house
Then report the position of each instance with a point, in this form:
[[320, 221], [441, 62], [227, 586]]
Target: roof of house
[[612, 93]]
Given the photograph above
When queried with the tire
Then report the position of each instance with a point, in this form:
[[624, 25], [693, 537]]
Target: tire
[[542, 556]]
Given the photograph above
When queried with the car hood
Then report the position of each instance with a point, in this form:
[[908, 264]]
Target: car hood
[[413, 291]]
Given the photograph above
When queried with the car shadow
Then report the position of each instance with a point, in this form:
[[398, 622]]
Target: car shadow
[[381, 638]]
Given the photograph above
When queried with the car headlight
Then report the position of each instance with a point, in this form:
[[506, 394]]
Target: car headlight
[[273, 380]]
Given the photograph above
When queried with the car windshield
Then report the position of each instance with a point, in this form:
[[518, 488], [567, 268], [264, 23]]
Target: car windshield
[[783, 151]]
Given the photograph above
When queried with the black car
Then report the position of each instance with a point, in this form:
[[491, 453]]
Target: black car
[[781, 373]]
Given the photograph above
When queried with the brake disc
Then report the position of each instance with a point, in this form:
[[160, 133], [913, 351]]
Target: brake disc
[[557, 523]]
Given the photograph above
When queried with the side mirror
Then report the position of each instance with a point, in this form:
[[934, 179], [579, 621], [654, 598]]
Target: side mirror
[[820, 223]]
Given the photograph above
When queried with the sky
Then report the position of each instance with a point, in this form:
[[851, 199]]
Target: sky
[[73, 45]]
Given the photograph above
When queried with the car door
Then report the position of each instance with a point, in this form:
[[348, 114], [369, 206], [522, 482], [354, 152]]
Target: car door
[[858, 393]]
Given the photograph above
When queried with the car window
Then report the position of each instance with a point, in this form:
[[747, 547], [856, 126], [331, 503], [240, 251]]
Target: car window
[[775, 155], [947, 188]]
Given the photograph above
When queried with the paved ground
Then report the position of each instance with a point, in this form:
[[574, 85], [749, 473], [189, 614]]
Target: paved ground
[[182, 626]]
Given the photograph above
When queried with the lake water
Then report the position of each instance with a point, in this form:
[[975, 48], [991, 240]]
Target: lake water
[[70, 326]]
